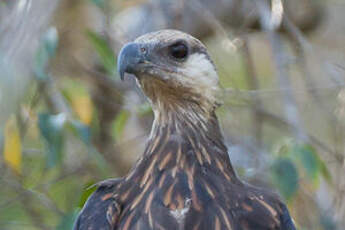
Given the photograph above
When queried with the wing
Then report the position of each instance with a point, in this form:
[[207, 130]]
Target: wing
[[101, 210], [262, 211], [286, 220]]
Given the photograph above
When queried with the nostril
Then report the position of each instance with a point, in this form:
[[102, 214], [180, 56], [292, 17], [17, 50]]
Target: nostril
[[143, 49]]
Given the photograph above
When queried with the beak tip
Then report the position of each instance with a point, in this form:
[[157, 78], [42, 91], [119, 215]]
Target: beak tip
[[121, 71], [120, 67], [122, 76], [128, 59]]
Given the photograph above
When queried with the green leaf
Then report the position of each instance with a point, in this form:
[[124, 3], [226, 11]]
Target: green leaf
[[50, 41], [12, 150], [285, 177], [46, 50], [67, 221], [325, 172], [308, 158], [81, 130], [104, 51], [51, 127], [41, 61], [144, 109], [120, 122], [98, 158], [99, 3], [87, 191], [283, 148], [84, 133]]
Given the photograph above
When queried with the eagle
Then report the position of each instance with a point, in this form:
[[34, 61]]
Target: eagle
[[184, 179]]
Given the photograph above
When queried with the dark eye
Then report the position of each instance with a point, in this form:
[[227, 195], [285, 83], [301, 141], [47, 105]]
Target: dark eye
[[178, 50]]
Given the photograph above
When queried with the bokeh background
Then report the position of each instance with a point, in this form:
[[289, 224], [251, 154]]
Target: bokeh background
[[67, 121]]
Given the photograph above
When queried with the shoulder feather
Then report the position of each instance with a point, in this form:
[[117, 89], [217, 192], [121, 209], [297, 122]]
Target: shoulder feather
[[101, 209]]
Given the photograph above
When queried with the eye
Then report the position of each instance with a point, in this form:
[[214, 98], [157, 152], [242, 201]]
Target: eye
[[178, 50]]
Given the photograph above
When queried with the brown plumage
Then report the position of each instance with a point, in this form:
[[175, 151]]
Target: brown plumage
[[184, 179]]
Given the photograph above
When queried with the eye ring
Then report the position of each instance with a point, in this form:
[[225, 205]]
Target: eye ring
[[178, 50]]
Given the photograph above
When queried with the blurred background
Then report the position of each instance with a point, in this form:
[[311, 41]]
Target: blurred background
[[67, 121]]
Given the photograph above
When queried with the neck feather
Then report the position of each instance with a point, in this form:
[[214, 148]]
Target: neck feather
[[182, 139], [185, 152]]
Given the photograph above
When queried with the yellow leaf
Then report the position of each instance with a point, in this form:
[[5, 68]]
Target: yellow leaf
[[83, 107], [12, 145]]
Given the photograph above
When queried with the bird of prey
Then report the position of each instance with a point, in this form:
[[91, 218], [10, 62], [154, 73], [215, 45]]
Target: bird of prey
[[184, 180]]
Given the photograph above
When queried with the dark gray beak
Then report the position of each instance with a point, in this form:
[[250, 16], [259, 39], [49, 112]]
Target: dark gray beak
[[130, 56]]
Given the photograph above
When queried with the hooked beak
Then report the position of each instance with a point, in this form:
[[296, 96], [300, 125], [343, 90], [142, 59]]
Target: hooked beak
[[130, 56]]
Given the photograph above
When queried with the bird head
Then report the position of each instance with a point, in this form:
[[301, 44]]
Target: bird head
[[173, 69]]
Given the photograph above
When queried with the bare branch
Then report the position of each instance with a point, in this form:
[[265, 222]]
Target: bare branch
[[267, 21], [19, 35], [159, 14]]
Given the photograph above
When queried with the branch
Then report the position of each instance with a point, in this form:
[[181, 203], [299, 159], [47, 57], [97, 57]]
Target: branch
[[270, 21], [159, 14], [20, 31], [254, 85]]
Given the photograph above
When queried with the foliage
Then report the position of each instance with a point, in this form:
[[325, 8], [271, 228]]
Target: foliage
[[285, 176], [295, 162], [12, 147], [69, 132], [51, 130], [104, 51], [46, 50]]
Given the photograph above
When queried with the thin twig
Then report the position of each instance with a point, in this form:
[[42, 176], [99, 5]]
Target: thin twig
[[309, 138], [253, 85], [273, 93], [290, 105], [301, 46]]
